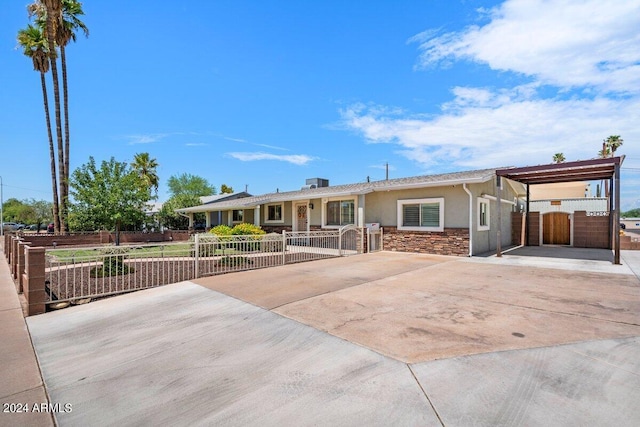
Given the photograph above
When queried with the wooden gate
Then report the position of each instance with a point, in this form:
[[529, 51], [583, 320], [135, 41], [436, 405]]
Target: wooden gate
[[556, 228]]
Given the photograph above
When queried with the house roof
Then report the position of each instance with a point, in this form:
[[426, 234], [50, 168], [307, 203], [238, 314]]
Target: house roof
[[477, 176], [583, 170], [205, 200]]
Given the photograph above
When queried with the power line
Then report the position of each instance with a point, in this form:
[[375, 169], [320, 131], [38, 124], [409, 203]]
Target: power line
[[28, 189]]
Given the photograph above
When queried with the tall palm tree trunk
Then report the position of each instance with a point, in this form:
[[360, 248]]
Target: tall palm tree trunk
[[52, 156], [65, 98], [62, 212]]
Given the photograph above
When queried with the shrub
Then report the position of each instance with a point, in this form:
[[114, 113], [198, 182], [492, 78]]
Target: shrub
[[246, 229], [221, 230]]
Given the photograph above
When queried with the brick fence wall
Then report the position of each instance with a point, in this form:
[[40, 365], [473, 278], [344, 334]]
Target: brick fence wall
[[103, 237], [452, 241]]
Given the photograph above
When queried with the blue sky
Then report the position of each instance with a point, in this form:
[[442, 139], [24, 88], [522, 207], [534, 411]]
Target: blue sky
[[266, 94]]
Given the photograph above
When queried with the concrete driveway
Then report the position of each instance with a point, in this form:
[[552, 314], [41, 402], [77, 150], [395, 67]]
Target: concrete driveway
[[377, 339]]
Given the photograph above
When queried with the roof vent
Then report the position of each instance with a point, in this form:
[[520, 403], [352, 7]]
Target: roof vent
[[309, 187]]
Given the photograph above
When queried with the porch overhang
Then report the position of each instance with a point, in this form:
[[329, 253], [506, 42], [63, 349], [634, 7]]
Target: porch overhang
[[583, 170]]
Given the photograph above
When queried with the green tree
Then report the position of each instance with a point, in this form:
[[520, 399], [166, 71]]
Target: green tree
[[190, 185], [15, 210], [109, 197], [633, 213], [34, 46], [146, 167], [226, 190], [558, 158], [42, 212], [168, 216]]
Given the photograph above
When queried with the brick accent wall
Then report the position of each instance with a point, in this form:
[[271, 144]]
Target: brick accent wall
[[452, 241], [591, 231]]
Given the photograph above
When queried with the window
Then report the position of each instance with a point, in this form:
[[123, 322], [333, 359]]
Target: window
[[484, 220], [340, 212], [274, 213], [421, 214], [238, 215]]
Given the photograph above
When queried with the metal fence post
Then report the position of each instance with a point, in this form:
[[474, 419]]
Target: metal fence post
[[196, 254], [284, 247]]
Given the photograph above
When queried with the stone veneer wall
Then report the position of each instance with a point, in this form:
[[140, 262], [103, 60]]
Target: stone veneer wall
[[452, 241]]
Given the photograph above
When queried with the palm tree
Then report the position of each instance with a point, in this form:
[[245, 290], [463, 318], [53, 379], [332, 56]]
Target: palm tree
[[66, 32], [49, 14], [34, 46], [612, 143], [145, 167], [59, 20], [609, 147], [558, 158]]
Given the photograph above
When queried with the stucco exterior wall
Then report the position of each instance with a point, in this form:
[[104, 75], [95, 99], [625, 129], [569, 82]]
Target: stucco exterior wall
[[487, 240], [382, 207]]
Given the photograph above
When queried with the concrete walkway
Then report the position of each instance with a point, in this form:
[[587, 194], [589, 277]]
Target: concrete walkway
[[20, 380], [379, 339]]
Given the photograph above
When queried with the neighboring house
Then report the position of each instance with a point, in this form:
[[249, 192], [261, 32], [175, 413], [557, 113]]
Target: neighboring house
[[153, 209], [450, 214], [557, 204]]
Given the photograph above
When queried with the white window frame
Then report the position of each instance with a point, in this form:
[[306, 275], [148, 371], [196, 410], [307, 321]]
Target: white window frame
[[274, 221], [482, 200], [325, 205], [401, 203]]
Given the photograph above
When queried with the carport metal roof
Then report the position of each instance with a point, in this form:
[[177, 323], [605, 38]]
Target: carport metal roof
[[582, 170]]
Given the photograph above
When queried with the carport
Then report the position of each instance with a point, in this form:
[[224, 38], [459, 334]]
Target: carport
[[583, 170]]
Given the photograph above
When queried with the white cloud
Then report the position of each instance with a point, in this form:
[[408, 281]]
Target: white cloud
[[581, 59], [296, 159], [145, 139], [569, 43], [196, 144]]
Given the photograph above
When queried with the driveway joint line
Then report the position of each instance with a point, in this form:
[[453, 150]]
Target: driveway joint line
[[435, 411]]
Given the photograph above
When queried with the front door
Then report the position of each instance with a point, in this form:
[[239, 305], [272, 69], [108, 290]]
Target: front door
[[301, 220], [556, 229]]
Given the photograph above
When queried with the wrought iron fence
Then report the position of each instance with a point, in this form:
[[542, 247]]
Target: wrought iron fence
[[82, 273]]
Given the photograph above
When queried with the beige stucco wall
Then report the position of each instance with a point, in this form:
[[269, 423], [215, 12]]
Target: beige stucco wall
[[382, 207], [561, 190], [486, 240]]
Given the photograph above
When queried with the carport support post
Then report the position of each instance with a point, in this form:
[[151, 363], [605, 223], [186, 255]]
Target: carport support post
[[499, 232], [526, 225], [616, 256]]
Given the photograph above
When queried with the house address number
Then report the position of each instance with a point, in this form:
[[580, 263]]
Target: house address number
[[605, 213]]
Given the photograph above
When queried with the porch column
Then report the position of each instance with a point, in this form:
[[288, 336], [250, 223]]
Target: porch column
[[256, 216], [207, 219], [499, 232], [190, 221]]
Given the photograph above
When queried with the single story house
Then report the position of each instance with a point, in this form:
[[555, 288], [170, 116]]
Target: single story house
[[448, 214]]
